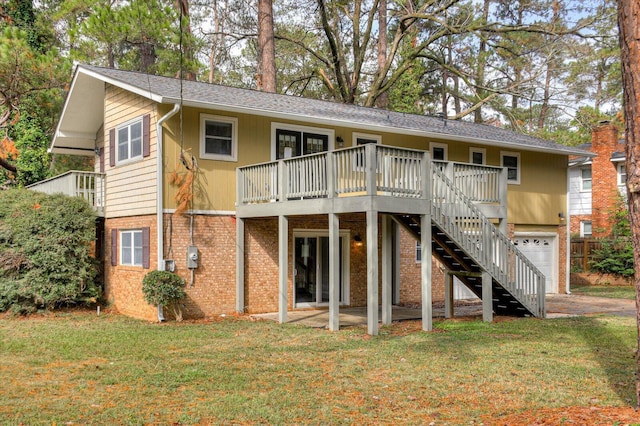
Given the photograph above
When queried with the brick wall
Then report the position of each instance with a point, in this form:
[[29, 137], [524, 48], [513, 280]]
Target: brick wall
[[410, 274], [123, 284], [605, 177], [213, 289]]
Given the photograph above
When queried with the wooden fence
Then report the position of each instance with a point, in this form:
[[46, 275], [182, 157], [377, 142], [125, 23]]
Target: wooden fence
[[582, 253]]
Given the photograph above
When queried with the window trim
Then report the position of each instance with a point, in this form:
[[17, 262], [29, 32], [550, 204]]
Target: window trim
[[234, 137], [582, 224], [128, 124], [583, 180], [482, 151], [133, 247], [444, 146], [518, 168], [619, 174], [370, 136], [275, 126]]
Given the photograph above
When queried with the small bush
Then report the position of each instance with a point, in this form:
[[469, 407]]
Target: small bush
[[45, 251], [165, 289]]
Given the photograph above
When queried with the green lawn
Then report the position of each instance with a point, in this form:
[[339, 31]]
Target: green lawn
[[615, 292], [80, 368]]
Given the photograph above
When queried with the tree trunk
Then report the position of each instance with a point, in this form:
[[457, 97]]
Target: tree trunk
[[266, 47], [482, 60], [629, 24], [383, 100]]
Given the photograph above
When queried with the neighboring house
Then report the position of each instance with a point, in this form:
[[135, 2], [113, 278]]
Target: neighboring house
[[596, 182], [301, 203]]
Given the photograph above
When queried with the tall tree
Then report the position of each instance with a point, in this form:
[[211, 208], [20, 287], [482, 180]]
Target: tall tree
[[629, 25], [266, 48]]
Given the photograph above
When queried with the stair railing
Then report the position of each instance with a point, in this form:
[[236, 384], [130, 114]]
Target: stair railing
[[456, 215]]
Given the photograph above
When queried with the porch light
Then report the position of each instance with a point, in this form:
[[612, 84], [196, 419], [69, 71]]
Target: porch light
[[340, 142], [561, 215], [357, 241]]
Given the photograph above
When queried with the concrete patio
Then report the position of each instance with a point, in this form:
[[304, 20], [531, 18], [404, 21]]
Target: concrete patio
[[558, 306]]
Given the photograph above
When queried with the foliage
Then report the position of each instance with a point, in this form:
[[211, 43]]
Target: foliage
[[616, 254], [164, 288], [73, 367], [45, 251]]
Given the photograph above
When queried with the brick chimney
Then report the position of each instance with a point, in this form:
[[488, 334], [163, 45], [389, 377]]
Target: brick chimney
[[604, 175]]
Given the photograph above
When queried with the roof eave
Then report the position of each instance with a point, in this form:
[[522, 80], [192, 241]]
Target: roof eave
[[369, 128]]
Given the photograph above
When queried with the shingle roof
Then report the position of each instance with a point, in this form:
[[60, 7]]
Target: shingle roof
[[167, 90]]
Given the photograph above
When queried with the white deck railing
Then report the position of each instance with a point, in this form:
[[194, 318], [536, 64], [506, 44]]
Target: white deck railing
[[362, 170], [88, 185], [456, 215]]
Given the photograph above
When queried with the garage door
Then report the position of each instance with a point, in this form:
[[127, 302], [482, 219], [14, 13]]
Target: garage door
[[542, 253]]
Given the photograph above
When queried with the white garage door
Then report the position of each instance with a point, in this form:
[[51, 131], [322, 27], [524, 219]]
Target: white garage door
[[541, 250]]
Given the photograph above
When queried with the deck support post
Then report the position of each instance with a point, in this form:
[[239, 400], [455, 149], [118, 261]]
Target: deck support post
[[448, 294], [239, 265], [487, 298], [283, 261], [387, 269], [334, 272], [425, 272], [372, 272]]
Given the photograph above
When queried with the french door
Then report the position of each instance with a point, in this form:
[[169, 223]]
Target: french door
[[293, 143], [311, 269]]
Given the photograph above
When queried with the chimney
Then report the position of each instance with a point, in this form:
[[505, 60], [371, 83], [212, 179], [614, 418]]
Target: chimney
[[604, 138]]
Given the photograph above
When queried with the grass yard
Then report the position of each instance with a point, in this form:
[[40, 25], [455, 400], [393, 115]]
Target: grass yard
[[614, 292], [80, 368]]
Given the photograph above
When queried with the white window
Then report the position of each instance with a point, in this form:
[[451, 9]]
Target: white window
[[129, 141], [418, 252], [439, 151], [585, 180], [477, 156], [131, 247], [218, 137], [622, 174], [585, 228], [365, 138], [511, 160]]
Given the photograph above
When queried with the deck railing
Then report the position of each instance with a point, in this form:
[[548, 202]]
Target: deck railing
[[456, 215], [363, 170], [88, 185]]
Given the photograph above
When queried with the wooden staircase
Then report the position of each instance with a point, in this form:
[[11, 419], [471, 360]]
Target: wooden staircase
[[467, 243]]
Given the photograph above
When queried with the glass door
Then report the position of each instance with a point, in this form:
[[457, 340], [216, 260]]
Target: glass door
[[311, 270]]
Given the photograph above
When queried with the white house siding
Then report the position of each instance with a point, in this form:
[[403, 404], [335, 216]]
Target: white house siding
[[579, 201], [131, 187]]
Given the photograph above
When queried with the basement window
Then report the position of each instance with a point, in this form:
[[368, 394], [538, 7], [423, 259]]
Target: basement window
[[131, 247]]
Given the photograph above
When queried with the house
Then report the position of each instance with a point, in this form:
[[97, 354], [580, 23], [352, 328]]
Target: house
[[596, 183], [300, 203]]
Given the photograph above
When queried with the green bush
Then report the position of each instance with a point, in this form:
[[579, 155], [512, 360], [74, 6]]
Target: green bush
[[165, 289], [45, 251]]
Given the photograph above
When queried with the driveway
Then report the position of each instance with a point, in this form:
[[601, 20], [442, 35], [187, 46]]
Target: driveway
[[559, 305]]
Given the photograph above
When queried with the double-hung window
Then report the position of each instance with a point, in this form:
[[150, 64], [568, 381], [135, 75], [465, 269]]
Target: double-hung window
[[129, 141], [131, 247], [218, 137], [622, 174], [439, 151], [477, 156], [585, 179], [511, 160], [586, 229]]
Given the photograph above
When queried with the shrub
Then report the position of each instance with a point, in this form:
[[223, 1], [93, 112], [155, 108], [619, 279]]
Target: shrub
[[165, 289], [45, 251]]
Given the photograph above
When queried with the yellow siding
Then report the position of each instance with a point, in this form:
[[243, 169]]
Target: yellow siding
[[131, 187], [537, 200]]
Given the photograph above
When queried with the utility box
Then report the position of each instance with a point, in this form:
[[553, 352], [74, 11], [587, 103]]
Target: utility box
[[192, 257]]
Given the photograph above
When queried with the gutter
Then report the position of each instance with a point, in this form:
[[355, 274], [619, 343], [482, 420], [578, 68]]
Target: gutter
[[159, 175]]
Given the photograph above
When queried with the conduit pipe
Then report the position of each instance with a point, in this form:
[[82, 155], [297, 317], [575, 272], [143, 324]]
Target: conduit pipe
[[159, 179]]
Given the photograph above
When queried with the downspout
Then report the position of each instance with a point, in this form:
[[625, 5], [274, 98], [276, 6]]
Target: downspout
[[160, 194], [160, 173], [567, 280]]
